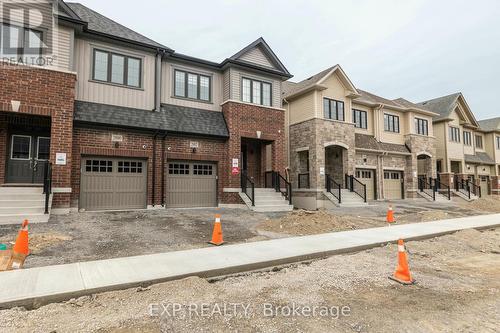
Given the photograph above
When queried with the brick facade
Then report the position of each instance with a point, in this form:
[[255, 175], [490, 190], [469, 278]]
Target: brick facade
[[49, 93], [248, 121], [97, 142]]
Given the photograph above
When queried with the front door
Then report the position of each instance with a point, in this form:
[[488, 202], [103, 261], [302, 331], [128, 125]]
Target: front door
[[27, 158]]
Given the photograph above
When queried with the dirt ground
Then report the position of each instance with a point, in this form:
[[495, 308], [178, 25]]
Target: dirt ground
[[302, 222], [95, 236], [457, 290]]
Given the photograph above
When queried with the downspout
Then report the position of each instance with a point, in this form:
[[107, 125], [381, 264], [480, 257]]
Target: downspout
[[154, 168], [163, 169], [157, 101], [287, 131]]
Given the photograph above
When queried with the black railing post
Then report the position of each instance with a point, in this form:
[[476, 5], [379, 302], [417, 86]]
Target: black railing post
[[290, 193], [253, 195], [365, 193]]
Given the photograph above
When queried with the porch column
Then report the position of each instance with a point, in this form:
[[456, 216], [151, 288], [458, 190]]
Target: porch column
[[61, 142]]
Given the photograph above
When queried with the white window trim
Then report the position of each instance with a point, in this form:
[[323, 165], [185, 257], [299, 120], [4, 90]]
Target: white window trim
[[38, 147], [12, 146]]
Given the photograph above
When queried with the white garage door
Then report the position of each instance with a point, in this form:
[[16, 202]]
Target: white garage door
[[393, 185], [191, 184], [367, 177], [110, 183]]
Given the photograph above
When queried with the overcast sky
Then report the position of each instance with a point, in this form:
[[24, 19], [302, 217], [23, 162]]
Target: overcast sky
[[416, 49]]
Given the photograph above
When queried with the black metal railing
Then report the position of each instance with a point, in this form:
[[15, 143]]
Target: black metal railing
[[283, 186], [463, 186], [475, 189], [427, 187], [248, 187], [47, 185], [334, 188], [304, 180], [442, 188], [354, 185]]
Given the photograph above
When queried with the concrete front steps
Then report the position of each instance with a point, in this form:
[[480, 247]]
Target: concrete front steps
[[462, 196], [20, 203], [348, 198], [267, 200]]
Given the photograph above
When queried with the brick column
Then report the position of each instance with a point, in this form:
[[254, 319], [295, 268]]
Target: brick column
[[447, 179], [495, 185], [3, 148]]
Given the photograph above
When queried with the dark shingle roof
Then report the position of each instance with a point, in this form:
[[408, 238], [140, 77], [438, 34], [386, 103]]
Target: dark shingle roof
[[364, 141], [492, 124], [444, 106], [172, 118], [479, 158], [101, 24]]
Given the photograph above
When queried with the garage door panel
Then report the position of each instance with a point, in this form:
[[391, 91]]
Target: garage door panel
[[113, 183], [393, 185], [367, 177], [191, 184]]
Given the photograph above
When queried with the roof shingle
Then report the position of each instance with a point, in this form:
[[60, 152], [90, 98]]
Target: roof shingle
[[172, 118], [101, 24], [479, 158], [364, 141]]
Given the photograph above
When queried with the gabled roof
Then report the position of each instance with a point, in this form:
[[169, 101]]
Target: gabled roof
[[269, 53], [445, 105], [171, 118], [291, 89], [490, 125], [100, 24]]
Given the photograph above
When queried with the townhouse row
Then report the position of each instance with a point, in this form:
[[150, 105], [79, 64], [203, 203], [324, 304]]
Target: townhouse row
[[110, 119]]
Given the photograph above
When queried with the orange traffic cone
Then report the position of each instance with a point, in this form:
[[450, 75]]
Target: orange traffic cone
[[217, 238], [390, 215], [402, 273], [22, 242]]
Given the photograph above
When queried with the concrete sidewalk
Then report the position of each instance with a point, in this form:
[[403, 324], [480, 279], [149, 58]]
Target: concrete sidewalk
[[42, 285]]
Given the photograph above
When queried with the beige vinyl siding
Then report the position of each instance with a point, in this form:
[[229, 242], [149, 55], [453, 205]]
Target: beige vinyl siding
[[236, 77], [63, 49], [440, 144], [257, 56], [455, 149], [336, 91], [226, 95], [391, 137], [369, 119], [167, 87], [302, 108], [97, 92]]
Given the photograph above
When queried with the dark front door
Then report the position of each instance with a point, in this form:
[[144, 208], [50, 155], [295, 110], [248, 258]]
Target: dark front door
[[27, 158]]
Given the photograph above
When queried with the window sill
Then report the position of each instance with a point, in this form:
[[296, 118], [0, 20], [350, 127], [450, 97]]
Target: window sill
[[338, 121], [391, 132], [192, 99], [257, 104], [116, 85]]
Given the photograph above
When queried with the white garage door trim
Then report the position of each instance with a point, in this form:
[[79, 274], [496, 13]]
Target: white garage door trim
[[393, 188]]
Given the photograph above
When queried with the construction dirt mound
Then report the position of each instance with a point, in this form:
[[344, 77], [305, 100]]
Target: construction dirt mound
[[304, 222], [490, 203]]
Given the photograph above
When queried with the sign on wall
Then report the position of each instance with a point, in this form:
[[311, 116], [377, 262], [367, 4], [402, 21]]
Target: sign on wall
[[236, 163], [322, 171], [116, 138], [60, 158], [194, 145]]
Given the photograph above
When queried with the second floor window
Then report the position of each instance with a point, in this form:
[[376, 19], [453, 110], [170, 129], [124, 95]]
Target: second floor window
[[421, 126], [391, 123], [256, 92], [359, 118], [333, 109], [19, 41], [192, 85], [479, 141], [117, 69], [467, 139], [454, 134]]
